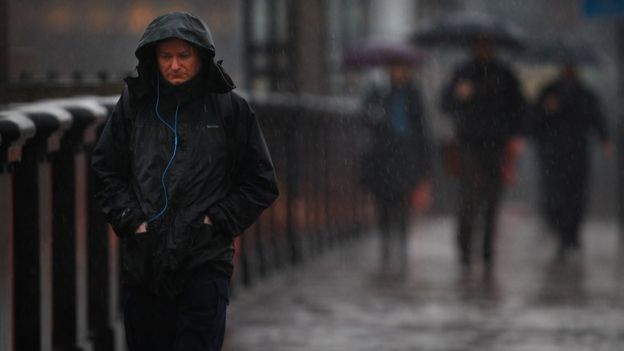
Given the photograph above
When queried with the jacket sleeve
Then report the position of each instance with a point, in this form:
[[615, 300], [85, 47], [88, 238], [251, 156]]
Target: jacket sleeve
[[597, 118], [448, 102], [424, 141], [111, 164], [538, 117], [254, 182], [518, 109], [372, 111]]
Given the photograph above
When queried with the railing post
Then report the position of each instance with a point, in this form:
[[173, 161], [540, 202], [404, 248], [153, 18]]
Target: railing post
[[274, 243], [292, 188], [15, 129], [5, 38], [104, 265], [6, 258], [33, 222], [70, 217]]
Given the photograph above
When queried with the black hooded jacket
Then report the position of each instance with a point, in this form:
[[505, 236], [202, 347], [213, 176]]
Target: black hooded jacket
[[495, 112], [566, 114], [214, 162], [577, 115]]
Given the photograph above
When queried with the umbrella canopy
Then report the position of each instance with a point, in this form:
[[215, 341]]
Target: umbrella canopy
[[560, 52], [466, 27], [381, 53]]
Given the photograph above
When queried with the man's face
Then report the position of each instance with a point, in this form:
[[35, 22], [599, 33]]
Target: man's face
[[178, 61], [399, 73], [483, 49]]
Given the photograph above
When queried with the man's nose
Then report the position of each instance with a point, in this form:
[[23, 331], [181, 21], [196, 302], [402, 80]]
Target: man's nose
[[175, 65]]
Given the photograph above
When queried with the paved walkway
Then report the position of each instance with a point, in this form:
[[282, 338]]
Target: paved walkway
[[343, 301]]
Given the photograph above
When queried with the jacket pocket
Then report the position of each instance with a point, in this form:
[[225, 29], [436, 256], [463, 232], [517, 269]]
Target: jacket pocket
[[203, 236], [171, 268], [209, 245], [135, 252]]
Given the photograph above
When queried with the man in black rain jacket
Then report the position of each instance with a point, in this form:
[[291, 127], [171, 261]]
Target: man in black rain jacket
[[182, 168], [487, 108]]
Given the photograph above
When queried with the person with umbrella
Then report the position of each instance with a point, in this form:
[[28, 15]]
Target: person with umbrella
[[484, 100], [397, 163], [566, 113]]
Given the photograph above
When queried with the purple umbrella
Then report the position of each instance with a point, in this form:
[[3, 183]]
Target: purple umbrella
[[382, 53]]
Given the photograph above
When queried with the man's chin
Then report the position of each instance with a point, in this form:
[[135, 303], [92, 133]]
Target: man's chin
[[176, 81]]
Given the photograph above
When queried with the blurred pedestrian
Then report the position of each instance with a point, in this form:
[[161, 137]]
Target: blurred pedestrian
[[396, 168], [182, 168], [566, 113], [484, 101]]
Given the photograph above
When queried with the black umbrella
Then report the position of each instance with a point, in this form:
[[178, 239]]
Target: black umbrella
[[380, 52], [466, 27], [560, 52]]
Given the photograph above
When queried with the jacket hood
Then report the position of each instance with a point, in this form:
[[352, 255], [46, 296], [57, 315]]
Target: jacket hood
[[179, 25], [187, 27]]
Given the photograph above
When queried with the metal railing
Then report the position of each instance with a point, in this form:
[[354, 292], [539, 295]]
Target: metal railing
[[59, 260]]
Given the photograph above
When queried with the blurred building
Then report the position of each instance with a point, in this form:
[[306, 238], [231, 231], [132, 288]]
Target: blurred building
[[59, 39], [287, 46], [266, 44]]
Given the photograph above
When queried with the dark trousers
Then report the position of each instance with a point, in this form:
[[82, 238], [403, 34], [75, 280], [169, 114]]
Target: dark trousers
[[480, 193], [194, 320], [393, 222], [564, 179]]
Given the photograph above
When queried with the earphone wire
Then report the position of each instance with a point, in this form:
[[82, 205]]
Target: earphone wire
[[174, 129]]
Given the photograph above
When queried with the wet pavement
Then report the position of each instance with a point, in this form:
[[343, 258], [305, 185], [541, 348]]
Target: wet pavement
[[343, 300]]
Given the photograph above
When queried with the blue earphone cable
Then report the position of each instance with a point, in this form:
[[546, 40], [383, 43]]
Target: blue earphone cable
[[174, 129]]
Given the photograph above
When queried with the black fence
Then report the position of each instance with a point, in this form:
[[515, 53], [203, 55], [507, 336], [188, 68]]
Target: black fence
[[59, 260]]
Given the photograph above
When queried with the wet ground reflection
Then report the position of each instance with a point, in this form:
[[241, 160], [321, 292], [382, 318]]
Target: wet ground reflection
[[530, 301]]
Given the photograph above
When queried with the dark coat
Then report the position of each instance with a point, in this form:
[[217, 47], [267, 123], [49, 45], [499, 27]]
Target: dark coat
[[496, 111], [397, 159], [577, 116], [221, 168], [566, 114]]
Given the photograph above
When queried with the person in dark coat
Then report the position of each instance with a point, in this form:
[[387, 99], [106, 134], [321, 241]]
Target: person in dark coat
[[484, 101], [566, 113], [182, 168], [398, 160]]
